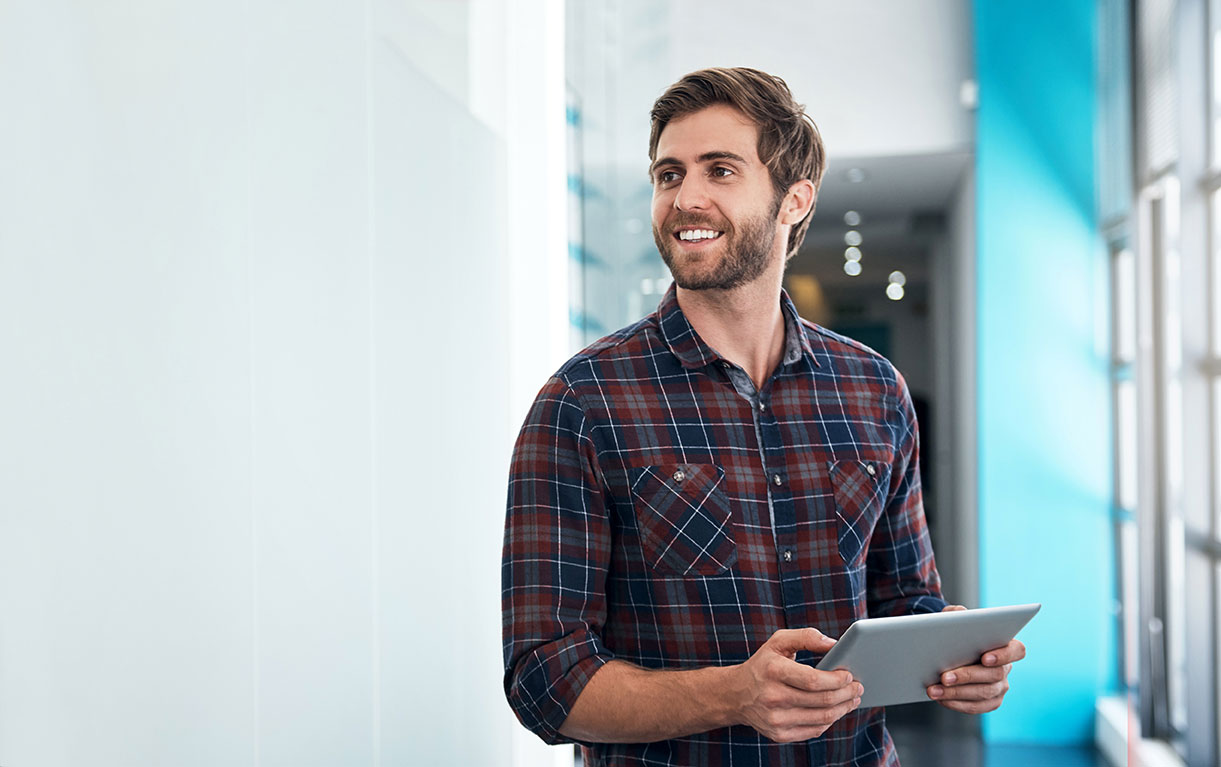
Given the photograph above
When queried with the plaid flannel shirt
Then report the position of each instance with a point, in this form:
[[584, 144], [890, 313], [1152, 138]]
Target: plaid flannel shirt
[[663, 512]]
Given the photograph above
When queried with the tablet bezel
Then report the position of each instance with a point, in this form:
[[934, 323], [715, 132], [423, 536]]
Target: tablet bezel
[[897, 658]]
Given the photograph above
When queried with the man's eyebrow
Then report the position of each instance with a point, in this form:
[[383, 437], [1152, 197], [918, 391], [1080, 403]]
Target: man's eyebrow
[[710, 156], [705, 157]]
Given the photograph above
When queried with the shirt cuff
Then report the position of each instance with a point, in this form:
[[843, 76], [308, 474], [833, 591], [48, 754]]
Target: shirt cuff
[[913, 605], [927, 604], [543, 685]]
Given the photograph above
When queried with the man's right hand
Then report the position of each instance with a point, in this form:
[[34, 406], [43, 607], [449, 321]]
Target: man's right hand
[[787, 701]]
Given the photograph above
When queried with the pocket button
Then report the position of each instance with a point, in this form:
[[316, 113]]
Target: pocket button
[[869, 468], [679, 475]]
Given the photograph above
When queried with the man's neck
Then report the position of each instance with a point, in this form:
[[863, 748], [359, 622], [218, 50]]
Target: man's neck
[[744, 325]]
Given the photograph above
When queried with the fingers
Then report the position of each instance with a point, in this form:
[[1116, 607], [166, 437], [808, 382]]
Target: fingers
[[1014, 651], [826, 698], [788, 701], [971, 699], [810, 679], [980, 687], [972, 706], [972, 689], [795, 724], [791, 641], [976, 692], [974, 675], [779, 698], [993, 666]]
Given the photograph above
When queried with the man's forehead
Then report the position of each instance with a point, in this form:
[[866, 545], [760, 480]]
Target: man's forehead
[[717, 128]]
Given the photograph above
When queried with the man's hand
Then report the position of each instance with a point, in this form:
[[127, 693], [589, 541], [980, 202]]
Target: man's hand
[[788, 701], [981, 687]]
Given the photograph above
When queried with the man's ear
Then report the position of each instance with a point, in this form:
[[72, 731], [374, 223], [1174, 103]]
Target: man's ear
[[797, 202]]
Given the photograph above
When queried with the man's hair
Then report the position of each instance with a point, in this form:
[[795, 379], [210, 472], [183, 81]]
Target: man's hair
[[789, 143]]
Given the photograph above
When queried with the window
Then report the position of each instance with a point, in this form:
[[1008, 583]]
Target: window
[[1166, 335]]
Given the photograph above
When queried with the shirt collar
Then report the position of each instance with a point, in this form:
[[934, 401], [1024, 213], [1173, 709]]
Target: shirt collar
[[691, 350]]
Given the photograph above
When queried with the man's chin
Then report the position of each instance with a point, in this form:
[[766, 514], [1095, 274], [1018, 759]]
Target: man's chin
[[709, 282], [700, 276], [693, 274]]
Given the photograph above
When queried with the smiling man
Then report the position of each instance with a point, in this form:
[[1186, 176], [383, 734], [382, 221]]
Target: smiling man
[[700, 501]]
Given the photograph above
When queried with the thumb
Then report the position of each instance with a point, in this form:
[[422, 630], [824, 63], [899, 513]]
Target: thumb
[[790, 641]]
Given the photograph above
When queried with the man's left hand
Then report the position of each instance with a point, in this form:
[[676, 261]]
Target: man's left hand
[[981, 687]]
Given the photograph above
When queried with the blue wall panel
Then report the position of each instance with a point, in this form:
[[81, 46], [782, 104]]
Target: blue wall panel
[[1044, 397]]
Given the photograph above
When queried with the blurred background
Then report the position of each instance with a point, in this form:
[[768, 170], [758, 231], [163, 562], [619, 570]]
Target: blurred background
[[279, 281]]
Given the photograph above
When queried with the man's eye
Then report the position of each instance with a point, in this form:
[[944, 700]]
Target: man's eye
[[722, 171], [666, 176]]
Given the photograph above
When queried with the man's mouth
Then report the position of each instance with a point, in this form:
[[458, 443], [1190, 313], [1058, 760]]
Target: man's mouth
[[697, 235]]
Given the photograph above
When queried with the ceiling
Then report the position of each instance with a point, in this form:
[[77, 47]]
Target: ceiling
[[902, 203], [890, 185], [879, 78]]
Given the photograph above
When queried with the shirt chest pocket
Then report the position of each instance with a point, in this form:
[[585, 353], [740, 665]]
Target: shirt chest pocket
[[683, 515], [860, 488]]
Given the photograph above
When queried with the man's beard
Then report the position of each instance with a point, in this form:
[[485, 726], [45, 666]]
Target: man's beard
[[747, 253]]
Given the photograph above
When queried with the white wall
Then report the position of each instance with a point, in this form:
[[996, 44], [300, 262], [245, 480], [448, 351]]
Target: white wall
[[256, 404], [953, 288]]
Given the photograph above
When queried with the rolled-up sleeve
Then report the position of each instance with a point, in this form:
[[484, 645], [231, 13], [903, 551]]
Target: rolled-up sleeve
[[902, 574], [553, 569]]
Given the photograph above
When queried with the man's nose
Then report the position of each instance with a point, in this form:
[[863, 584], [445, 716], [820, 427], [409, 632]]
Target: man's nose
[[692, 194]]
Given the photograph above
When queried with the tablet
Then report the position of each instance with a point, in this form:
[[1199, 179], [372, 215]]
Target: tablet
[[896, 659]]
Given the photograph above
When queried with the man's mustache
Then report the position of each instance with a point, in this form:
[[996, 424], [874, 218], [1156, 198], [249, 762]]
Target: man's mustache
[[679, 220]]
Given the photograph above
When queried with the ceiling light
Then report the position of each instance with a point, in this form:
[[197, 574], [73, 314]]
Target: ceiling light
[[898, 278], [852, 218], [854, 175], [894, 291], [852, 268], [852, 254], [852, 237]]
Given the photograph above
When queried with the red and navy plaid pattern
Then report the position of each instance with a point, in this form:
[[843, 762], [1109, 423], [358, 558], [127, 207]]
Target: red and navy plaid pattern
[[658, 516]]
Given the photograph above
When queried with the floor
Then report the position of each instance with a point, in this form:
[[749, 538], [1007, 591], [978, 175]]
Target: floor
[[931, 736], [923, 749]]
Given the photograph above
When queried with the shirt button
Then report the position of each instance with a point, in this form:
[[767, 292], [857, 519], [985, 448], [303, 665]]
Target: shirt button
[[869, 468], [725, 364], [762, 407], [680, 475], [788, 555], [776, 480]]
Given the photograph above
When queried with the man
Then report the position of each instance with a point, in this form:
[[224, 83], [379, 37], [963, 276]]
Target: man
[[700, 501]]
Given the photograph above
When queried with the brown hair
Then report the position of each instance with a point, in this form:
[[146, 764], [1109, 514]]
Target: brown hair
[[789, 143]]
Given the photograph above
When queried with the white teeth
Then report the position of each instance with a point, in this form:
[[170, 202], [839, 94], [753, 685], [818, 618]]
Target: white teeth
[[698, 234]]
